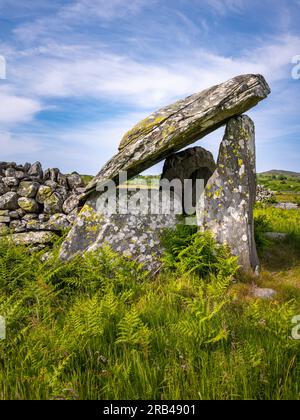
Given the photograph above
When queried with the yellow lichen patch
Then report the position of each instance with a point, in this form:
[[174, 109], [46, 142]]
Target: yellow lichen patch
[[143, 128]]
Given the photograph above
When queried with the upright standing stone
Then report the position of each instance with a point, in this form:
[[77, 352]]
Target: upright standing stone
[[226, 208]]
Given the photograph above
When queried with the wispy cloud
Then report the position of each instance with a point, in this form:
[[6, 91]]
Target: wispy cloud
[[17, 109], [77, 71], [224, 6]]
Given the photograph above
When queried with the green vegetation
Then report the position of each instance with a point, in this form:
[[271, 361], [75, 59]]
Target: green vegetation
[[99, 328], [281, 260], [286, 185], [86, 179]]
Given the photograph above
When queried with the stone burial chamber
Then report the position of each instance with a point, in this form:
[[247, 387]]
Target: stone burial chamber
[[225, 207]]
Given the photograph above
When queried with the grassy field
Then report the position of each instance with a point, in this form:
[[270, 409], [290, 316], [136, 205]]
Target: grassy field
[[100, 328], [285, 185]]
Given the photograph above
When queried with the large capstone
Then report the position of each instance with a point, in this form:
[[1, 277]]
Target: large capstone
[[178, 125], [226, 207]]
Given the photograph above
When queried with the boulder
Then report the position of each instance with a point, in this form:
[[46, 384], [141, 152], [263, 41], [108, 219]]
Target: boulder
[[33, 238], [226, 206], [18, 226], [36, 170], [43, 193], [28, 189], [14, 215], [28, 204], [30, 216], [51, 174], [4, 212], [265, 294], [176, 126], [74, 181], [3, 188], [195, 164], [53, 204], [135, 236], [287, 206], [10, 172], [276, 236], [10, 182], [57, 222], [70, 204], [9, 201]]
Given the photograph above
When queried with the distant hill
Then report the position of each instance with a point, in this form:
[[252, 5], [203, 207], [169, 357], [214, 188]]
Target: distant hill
[[277, 172]]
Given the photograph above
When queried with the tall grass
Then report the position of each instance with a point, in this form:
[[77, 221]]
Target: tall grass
[[99, 328]]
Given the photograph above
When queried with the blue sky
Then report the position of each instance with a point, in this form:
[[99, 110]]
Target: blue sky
[[82, 72]]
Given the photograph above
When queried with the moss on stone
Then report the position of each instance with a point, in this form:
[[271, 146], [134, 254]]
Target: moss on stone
[[143, 128]]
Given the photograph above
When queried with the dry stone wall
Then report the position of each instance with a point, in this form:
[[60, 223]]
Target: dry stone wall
[[35, 203]]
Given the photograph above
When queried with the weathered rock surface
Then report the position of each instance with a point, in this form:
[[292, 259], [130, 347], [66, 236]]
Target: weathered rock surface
[[33, 238], [33, 200], [264, 195], [28, 189], [165, 132], [195, 164], [28, 204], [265, 294], [226, 207], [287, 206], [180, 124], [135, 236], [9, 201], [276, 236]]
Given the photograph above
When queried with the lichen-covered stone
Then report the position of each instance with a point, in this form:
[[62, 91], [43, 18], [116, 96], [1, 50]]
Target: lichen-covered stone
[[28, 204], [71, 203], [57, 222], [36, 170], [178, 125], [9, 201], [43, 193], [18, 226], [53, 204], [33, 238], [3, 189], [28, 189], [226, 207], [10, 182], [74, 181], [136, 236], [4, 212], [14, 215], [30, 216], [264, 294]]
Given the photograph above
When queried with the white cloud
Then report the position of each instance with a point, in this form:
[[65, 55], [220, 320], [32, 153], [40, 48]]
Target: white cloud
[[224, 6], [16, 109], [102, 9], [77, 71], [18, 146]]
